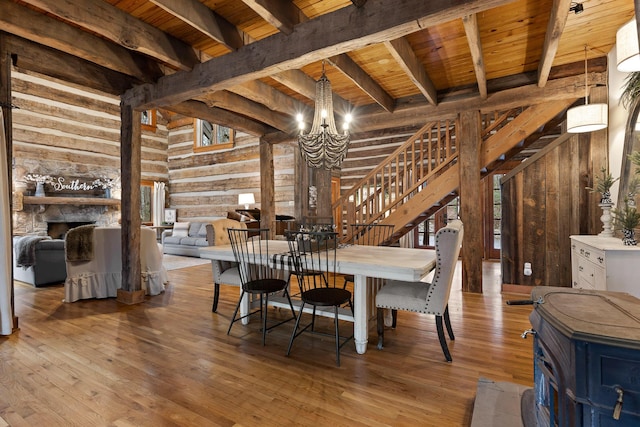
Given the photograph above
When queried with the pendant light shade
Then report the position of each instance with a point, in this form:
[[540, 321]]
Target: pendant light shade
[[627, 51], [587, 117]]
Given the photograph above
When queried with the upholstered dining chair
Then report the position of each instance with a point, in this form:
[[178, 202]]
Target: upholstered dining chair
[[314, 263], [422, 297], [224, 272], [251, 252], [370, 235]]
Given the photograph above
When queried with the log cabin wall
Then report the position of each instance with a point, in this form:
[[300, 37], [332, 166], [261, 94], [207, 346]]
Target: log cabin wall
[[205, 185], [68, 131]]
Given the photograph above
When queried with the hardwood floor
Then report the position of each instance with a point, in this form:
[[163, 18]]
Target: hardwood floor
[[169, 362]]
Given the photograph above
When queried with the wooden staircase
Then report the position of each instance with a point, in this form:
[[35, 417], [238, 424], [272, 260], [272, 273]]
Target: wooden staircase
[[422, 175]]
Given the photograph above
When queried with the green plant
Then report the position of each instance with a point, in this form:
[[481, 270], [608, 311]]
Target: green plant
[[631, 90], [635, 159], [603, 182], [626, 218]]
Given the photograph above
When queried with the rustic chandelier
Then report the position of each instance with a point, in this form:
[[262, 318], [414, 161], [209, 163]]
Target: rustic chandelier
[[587, 117], [323, 146]]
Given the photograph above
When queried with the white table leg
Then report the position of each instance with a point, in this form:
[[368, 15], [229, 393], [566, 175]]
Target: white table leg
[[245, 307], [360, 315]]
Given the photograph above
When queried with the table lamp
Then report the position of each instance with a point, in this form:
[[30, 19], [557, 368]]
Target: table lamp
[[246, 199]]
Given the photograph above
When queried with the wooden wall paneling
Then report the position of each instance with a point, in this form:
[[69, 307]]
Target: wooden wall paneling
[[584, 168], [470, 200], [599, 158], [551, 271], [508, 232], [566, 194], [520, 224], [534, 242]]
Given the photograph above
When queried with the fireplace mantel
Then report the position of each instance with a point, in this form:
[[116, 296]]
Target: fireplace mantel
[[98, 201]]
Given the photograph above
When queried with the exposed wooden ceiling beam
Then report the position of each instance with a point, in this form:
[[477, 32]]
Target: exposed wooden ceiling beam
[[204, 20], [218, 115], [352, 28], [54, 63], [28, 24], [240, 105], [411, 113], [283, 15], [472, 30], [306, 86], [555, 27], [402, 52], [108, 21], [363, 80], [272, 98]]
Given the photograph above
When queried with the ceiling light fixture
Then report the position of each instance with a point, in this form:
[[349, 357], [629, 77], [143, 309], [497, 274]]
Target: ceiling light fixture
[[627, 54], [323, 146], [587, 117], [576, 8]]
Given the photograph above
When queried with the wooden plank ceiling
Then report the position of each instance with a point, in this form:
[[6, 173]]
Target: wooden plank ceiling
[[465, 49]]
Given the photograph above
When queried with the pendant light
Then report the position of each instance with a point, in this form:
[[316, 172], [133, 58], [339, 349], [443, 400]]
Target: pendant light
[[587, 117], [627, 55]]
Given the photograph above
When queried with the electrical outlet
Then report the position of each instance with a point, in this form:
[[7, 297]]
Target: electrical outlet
[[527, 269]]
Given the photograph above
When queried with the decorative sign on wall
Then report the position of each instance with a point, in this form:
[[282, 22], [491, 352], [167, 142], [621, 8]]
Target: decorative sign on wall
[[60, 183]]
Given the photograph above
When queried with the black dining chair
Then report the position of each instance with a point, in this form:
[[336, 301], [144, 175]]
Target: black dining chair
[[312, 253], [369, 235], [257, 276]]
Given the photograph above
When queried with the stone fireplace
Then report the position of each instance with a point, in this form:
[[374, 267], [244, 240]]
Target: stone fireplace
[[56, 219]]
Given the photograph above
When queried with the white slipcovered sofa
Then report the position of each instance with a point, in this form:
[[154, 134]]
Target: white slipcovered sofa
[[101, 277]]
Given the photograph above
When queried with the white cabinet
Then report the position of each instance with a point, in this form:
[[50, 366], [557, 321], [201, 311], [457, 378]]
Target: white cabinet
[[604, 263]]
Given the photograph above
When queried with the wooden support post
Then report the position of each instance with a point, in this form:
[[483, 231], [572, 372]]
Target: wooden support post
[[130, 156], [267, 189], [5, 101], [470, 200]]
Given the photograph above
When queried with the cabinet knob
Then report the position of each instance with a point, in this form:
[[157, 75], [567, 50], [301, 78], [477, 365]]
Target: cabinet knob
[[600, 259], [580, 268]]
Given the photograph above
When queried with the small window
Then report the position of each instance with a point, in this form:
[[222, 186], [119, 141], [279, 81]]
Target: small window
[[209, 136], [148, 120]]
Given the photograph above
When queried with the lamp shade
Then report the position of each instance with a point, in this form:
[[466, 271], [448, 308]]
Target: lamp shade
[[246, 199], [587, 118], [627, 50]]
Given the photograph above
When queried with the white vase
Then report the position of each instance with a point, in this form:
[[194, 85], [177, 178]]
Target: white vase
[[40, 189]]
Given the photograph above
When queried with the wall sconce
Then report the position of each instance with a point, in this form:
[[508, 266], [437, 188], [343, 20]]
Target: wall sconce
[[627, 47], [246, 199]]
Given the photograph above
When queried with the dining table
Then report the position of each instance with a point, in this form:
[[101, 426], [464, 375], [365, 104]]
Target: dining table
[[368, 264]]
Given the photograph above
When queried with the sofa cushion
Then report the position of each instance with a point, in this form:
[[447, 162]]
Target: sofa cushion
[[180, 229], [202, 232], [194, 228], [173, 240], [193, 241]]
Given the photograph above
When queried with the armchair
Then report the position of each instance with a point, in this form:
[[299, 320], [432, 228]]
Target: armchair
[[421, 297]]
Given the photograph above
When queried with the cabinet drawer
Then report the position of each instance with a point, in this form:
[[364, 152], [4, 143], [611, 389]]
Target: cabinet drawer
[[589, 274], [589, 253]]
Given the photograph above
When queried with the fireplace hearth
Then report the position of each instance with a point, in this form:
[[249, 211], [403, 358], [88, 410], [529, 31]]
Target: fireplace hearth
[[58, 230]]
